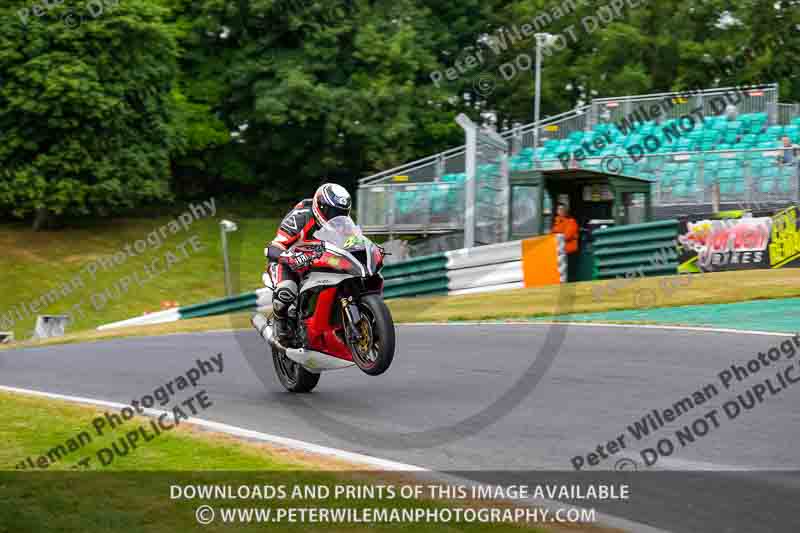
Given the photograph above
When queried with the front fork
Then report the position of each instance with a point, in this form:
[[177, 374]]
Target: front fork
[[352, 317]]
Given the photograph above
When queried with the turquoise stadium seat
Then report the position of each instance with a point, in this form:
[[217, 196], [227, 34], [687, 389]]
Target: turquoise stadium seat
[[679, 189], [576, 136], [749, 140], [765, 185], [774, 132], [731, 137]]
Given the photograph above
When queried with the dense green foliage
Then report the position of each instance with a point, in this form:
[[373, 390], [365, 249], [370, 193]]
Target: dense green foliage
[[109, 104]]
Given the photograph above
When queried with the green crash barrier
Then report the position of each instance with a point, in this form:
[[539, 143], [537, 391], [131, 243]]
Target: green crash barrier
[[417, 265], [635, 249], [415, 277], [221, 306]]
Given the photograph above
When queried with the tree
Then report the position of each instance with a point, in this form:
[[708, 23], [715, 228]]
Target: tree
[[326, 90], [85, 107]]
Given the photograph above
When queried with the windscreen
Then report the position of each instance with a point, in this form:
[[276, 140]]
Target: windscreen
[[342, 232]]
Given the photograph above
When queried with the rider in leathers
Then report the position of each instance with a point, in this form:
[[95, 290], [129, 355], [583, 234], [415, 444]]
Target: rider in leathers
[[285, 263]]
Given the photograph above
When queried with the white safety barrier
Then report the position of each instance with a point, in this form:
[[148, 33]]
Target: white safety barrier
[[159, 317], [484, 255], [482, 269], [485, 268], [483, 276]]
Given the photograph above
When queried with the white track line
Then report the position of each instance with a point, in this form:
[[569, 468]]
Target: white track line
[[602, 325], [384, 464], [236, 431]]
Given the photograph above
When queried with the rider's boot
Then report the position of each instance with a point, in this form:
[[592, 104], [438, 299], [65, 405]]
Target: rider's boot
[[283, 331], [282, 300]]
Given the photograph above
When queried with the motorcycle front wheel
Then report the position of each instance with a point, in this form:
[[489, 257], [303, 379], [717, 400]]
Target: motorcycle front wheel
[[374, 350], [292, 376]]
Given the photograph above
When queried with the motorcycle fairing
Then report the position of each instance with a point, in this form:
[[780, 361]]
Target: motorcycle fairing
[[321, 333], [317, 280]]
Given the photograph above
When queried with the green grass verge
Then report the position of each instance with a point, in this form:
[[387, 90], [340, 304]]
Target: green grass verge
[[588, 297], [600, 296], [133, 492], [34, 263]]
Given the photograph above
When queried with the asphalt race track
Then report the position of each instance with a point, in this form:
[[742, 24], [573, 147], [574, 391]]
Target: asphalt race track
[[498, 402]]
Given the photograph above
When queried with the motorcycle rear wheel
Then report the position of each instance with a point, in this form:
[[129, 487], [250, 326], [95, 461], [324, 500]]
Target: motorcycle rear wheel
[[291, 375], [375, 352]]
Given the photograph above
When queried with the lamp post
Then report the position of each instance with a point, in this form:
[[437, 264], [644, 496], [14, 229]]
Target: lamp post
[[542, 39], [226, 226]]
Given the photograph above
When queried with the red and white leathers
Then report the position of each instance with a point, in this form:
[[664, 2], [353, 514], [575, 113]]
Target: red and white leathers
[[297, 228]]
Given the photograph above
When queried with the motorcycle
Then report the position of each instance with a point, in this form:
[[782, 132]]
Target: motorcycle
[[339, 318]]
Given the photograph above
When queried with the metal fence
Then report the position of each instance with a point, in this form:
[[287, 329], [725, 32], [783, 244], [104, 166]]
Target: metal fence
[[492, 189], [435, 167], [428, 195], [397, 208], [679, 178], [664, 106], [688, 178], [788, 112]]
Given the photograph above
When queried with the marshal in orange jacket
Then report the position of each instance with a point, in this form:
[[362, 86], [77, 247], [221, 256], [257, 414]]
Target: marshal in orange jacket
[[569, 228]]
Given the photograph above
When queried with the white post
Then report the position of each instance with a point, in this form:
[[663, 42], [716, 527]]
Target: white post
[[470, 157], [225, 227], [538, 89]]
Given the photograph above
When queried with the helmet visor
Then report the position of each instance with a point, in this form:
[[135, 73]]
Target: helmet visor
[[331, 212]]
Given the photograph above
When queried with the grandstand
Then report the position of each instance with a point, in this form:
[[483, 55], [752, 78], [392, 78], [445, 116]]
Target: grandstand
[[733, 150]]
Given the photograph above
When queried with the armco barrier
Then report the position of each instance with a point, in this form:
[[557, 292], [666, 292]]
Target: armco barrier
[[642, 249], [485, 268], [484, 255], [482, 269], [222, 306], [485, 276], [465, 271], [425, 275]]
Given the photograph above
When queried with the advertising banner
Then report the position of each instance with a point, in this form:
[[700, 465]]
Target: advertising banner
[[709, 244]]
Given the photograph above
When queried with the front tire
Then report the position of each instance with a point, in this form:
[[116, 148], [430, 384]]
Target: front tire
[[375, 352], [292, 376]]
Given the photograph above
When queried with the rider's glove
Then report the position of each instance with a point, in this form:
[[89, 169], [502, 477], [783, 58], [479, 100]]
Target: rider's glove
[[297, 261]]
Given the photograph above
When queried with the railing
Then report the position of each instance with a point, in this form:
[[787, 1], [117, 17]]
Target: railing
[[688, 177], [788, 112], [427, 195], [451, 161], [663, 106], [679, 178], [418, 207], [757, 98]]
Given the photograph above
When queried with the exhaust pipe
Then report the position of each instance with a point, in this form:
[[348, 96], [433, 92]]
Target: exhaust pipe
[[264, 329]]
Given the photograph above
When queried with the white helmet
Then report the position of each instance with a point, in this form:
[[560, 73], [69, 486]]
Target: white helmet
[[331, 201]]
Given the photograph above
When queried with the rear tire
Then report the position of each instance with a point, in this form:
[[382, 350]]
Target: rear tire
[[292, 376], [377, 359]]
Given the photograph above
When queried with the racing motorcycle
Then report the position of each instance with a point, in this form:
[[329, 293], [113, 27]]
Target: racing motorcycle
[[339, 318]]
